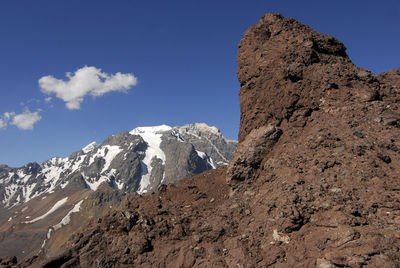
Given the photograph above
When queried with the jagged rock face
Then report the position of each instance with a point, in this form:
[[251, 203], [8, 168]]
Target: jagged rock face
[[136, 161], [285, 68], [323, 178]]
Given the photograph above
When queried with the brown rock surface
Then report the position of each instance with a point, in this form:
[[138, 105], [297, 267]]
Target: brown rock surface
[[316, 172]]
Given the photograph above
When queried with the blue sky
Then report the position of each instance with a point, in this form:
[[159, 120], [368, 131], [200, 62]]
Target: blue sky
[[182, 53]]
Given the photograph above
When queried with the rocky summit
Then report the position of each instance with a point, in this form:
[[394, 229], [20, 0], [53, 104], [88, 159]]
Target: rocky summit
[[314, 182], [34, 197]]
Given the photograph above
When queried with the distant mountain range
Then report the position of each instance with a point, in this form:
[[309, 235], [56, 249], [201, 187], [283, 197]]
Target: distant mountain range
[[138, 161]]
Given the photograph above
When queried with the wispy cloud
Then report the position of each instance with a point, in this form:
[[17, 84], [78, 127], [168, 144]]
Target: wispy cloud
[[33, 100], [23, 121], [4, 119], [88, 80], [2, 123]]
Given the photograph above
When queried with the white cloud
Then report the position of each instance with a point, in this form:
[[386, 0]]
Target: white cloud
[[86, 80], [8, 115], [5, 119], [48, 99], [25, 120]]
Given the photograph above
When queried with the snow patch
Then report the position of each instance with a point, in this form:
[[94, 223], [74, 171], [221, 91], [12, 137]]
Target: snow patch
[[57, 205], [152, 136], [9, 192], [154, 129], [77, 164], [120, 185], [204, 156], [21, 173], [177, 136], [26, 178], [112, 152], [49, 233], [111, 174], [94, 184], [107, 152], [27, 192], [52, 171], [211, 162], [67, 217], [89, 147], [64, 184]]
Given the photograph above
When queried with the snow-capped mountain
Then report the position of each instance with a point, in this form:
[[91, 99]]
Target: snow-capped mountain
[[136, 161]]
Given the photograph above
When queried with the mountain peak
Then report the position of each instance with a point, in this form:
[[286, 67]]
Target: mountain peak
[[150, 129], [89, 147], [204, 127]]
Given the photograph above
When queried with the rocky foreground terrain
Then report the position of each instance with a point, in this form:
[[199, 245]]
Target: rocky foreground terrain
[[314, 182]]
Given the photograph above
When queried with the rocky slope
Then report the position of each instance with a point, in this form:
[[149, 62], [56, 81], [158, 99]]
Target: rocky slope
[[34, 197], [314, 182]]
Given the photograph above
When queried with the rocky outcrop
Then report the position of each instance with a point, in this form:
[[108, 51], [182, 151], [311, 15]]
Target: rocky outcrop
[[251, 151], [285, 68], [314, 182], [323, 180]]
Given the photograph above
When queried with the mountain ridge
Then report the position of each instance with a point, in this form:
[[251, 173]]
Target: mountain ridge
[[92, 157]]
